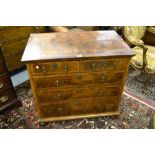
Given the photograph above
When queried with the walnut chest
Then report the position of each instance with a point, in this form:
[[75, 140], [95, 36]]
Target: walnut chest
[[77, 74]]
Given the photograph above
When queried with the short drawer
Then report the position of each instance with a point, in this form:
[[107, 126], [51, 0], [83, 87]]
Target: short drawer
[[5, 82], [76, 93], [3, 68], [78, 79], [79, 107], [103, 64], [55, 67], [16, 47], [7, 96], [15, 32], [14, 62]]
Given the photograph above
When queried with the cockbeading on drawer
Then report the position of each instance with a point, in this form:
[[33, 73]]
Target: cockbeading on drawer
[[59, 95], [103, 65], [75, 79], [55, 67], [80, 107]]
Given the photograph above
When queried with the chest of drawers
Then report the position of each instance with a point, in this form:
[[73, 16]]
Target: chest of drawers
[[77, 74]]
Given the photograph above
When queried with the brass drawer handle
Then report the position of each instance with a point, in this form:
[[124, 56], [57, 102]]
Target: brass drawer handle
[[100, 93], [1, 85], [57, 83], [79, 76], [67, 80], [78, 102], [3, 99], [93, 66], [66, 68], [54, 66], [44, 69], [102, 79], [115, 65], [59, 96]]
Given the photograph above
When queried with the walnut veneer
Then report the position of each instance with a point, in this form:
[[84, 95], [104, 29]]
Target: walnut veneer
[[77, 74]]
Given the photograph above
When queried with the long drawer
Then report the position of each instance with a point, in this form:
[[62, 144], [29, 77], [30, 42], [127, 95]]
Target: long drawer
[[78, 79], [7, 96], [57, 96], [14, 32], [5, 82], [79, 107]]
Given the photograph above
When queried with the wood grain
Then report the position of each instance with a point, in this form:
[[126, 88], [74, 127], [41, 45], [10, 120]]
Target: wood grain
[[103, 65], [88, 106], [55, 67], [57, 96], [78, 79], [49, 46], [97, 65]]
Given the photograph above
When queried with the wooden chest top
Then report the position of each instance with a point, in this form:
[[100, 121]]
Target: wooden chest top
[[71, 45]]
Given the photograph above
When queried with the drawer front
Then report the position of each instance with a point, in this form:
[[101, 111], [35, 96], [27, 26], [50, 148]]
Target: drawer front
[[78, 79], [7, 96], [103, 64], [19, 31], [14, 62], [16, 47], [78, 107], [55, 67], [5, 82], [77, 93], [3, 68]]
